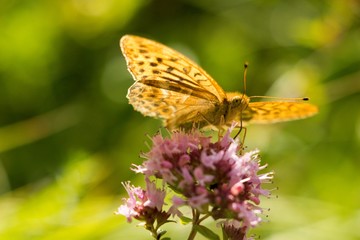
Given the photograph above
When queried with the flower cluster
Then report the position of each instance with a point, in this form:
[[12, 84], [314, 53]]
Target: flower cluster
[[145, 205], [142, 204], [210, 177]]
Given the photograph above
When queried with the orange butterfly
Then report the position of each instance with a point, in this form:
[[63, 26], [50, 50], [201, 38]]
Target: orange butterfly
[[170, 86]]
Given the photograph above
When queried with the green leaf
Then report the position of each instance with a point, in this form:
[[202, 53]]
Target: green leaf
[[161, 233], [206, 232], [185, 220]]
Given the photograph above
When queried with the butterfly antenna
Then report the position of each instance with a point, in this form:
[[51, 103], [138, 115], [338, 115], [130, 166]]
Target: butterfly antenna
[[245, 72], [242, 98], [269, 97], [246, 64], [281, 98]]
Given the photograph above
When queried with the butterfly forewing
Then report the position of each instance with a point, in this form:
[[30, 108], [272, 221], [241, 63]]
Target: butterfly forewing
[[152, 61], [271, 112]]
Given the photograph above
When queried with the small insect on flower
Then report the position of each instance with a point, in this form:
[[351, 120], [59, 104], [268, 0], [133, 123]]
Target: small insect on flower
[[173, 88]]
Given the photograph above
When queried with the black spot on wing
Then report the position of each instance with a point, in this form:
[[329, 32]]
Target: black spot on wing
[[169, 69], [186, 70]]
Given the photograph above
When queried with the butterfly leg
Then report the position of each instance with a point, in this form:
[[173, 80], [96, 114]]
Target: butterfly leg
[[239, 132], [221, 129], [195, 125], [244, 136]]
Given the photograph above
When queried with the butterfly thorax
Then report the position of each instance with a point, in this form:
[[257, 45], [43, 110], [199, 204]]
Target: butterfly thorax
[[221, 115], [211, 117]]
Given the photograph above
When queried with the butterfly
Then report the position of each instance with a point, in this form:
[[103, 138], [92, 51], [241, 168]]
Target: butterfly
[[172, 87]]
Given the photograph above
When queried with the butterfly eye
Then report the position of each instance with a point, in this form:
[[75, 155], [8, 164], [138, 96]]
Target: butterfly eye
[[236, 101]]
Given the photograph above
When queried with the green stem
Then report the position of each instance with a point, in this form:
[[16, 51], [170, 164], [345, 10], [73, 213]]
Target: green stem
[[195, 220], [154, 233], [204, 217]]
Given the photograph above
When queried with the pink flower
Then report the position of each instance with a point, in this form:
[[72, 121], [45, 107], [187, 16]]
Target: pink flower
[[213, 178], [234, 230], [145, 205]]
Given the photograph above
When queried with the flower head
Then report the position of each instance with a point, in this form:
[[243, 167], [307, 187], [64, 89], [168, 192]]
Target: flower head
[[212, 177], [234, 230], [145, 205]]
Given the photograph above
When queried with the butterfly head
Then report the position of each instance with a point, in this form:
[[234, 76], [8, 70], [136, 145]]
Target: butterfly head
[[237, 101]]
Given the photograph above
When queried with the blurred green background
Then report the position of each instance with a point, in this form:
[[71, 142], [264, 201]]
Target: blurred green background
[[68, 136]]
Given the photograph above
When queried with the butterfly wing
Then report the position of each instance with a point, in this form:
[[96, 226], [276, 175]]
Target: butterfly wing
[[166, 82], [271, 112], [174, 107]]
